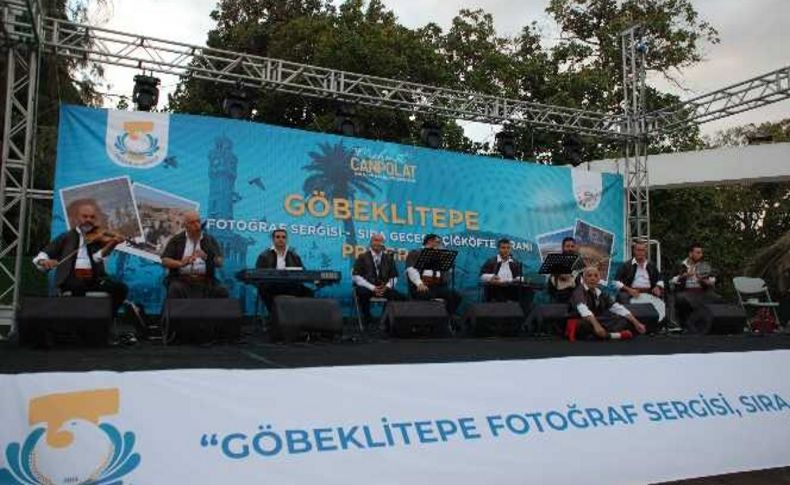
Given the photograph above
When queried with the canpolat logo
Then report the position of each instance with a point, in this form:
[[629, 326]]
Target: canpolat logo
[[77, 448], [137, 140]]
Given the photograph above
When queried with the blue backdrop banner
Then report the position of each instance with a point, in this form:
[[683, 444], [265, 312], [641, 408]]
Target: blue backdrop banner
[[329, 192]]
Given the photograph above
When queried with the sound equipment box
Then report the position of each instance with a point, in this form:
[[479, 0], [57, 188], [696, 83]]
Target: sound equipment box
[[417, 319], [200, 320], [486, 319], [647, 314], [549, 318], [40, 319], [717, 318], [293, 316]]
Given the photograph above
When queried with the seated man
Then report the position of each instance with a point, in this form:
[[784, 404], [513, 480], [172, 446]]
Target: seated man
[[192, 258], [280, 256], [375, 274], [598, 314], [499, 272], [561, 286], [639, 281], [79, 264], [430, 284], [693, 287]]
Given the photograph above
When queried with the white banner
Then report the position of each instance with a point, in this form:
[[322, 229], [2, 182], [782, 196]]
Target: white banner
[[571, 420]]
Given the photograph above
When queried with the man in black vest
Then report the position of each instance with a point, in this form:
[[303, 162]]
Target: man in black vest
[[693, 287], [501, 276], [79, 266], [375, 274], [280, 256], [598, 314], [430, 284], [192, 258], [561, 286], [639, 282]]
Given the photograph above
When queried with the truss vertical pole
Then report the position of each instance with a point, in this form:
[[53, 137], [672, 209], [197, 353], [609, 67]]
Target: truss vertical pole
[[635, 152], [18, 150]]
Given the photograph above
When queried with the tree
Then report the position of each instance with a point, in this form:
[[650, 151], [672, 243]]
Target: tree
[[734, 223]]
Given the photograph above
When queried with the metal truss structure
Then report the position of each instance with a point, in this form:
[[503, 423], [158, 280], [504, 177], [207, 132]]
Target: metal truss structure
[[637, 196], [26, 33]]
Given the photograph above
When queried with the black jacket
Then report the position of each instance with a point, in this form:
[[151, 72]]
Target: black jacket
[[492, 266], [66, 244], [365, 267], [175, 250], [596, 304], [627, 272], [268, 259]]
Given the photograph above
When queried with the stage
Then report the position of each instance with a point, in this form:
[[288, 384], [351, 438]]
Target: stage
[[255, 353]]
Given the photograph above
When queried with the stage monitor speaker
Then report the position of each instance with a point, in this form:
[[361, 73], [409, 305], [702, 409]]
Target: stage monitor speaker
[[647, 314], [549, 318], [717, 318], [486, 319], [416, 319], [41, 318], [293, 315], [201, 320]]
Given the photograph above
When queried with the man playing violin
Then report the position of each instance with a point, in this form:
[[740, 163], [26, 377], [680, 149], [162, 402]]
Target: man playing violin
[[78, 255], [430, 284], [192, 258], [694, 284]]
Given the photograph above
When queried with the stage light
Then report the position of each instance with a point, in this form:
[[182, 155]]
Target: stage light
[[344, 120], [236, 105], [506, 143], [145, 94], [431, 134], [573, 150]]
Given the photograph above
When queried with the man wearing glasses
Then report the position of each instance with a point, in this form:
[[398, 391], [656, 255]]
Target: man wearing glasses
[[280, 256]]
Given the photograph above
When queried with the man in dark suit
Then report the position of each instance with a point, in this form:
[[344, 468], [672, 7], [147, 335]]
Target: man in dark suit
[[78, 264], [430, 284], [502, 276], [192, 258], [280, 256], [375, 274], [638, 281]]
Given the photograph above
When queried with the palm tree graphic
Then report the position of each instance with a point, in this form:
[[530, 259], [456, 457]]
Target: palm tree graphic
[[332, 175]]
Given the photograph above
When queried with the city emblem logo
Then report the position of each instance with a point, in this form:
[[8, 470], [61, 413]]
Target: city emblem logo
[[137, 139], [77, 448], [587, 188]]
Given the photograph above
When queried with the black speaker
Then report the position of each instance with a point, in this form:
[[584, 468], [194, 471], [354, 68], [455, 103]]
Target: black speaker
[[200, 320], [647, 314], [416, 318], [503, 318], [41, 318], [717, 318], [549, 318], [293, 315]]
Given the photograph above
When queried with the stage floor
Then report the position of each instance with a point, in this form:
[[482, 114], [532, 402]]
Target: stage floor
[[255, 353]]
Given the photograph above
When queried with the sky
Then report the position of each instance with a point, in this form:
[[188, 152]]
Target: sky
[[753, 37]]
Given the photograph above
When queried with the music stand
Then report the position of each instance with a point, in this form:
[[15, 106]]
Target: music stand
[[436, 260], [559, 263]]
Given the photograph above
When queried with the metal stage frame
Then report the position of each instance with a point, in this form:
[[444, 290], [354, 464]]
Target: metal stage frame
[[27, 33]]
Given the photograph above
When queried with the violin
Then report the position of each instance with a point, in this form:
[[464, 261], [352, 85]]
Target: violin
[[104, 236]]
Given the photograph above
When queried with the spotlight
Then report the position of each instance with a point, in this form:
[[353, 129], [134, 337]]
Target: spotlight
[[344, 120], [236, 105], [431, 134], [145, 94], [573, 150], [506, 143]]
